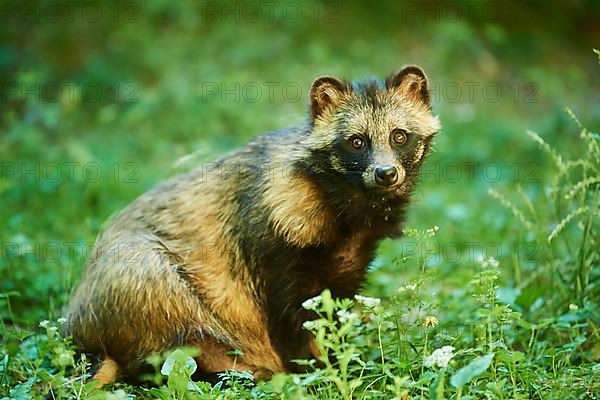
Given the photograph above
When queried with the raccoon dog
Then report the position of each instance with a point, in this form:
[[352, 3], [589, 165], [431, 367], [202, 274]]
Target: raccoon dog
[[223, 256]]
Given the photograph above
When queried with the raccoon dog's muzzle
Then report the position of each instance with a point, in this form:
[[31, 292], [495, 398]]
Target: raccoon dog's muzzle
[[389, 175]]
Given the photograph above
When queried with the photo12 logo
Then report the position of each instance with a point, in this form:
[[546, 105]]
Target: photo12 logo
[[68, 12], [69, 92], [469, 251], [488, 92], [68, 171], [468, 11], [54, 252], [475, 171], [270, 11], [251, 92]]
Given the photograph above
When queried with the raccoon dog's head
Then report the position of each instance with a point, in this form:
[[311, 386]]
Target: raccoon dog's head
[[372, 135]]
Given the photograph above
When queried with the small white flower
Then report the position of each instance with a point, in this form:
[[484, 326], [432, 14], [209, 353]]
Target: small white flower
[[488, 262], [308, 324], [439, 358], [312, 325], [44, 324], [61, 320], [346, 316], [573, 307], [433, 230], [368, 301], [312, 303], [407, 288]]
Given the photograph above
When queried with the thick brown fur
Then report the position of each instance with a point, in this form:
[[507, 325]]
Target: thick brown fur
[[223, 256]]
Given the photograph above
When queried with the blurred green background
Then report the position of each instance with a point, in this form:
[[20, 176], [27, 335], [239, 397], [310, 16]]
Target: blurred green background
[[140, 90]]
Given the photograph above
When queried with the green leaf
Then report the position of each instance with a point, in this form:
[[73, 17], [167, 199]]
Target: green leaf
[[436, 390], [235, 352], [178, 360], [327, 302], [510, 357], [484, 312], [475, 367], [160, 393], [524, 324], [179, 367]]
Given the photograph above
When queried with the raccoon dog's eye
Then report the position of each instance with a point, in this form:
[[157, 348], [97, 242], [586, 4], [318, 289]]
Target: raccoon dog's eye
[[357, 142], [399, 136]]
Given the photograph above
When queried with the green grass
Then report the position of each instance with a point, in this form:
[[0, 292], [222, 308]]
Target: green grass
[[526, 328]]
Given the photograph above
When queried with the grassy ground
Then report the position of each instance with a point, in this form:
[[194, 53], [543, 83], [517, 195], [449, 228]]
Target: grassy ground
[[500, 260]]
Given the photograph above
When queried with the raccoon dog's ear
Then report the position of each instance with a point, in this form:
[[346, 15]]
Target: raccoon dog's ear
[[325, 92], [410, 82]]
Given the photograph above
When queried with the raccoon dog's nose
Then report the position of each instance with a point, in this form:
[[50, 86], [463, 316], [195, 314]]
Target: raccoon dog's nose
[[386, 176]]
